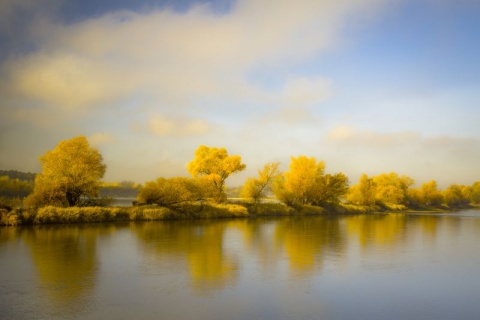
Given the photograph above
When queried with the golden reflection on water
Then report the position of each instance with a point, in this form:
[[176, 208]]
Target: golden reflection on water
[[200, 244], [376, 230], [66, 259], [214, 253], [306, 241]]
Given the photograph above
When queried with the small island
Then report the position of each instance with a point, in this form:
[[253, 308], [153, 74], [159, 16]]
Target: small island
[[68, 191]]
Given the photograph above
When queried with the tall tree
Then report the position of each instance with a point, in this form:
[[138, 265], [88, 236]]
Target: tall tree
[[456, 196], [256, 188], [302, 177], [216, 166], [329, 189], [475, 194], [306, 183], [363, 193], [69, 172], [392, 188], [430, 194]]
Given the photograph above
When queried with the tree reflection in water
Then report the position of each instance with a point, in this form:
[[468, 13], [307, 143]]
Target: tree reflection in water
[[200, 244]]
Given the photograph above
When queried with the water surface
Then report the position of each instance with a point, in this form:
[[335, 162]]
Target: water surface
[[358, 267]]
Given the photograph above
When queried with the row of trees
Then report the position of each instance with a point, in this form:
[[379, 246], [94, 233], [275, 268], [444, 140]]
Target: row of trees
[[397, 190], [14, 187], [72, 171]]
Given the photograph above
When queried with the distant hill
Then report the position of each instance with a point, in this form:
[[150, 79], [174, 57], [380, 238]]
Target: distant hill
[[14, 174]]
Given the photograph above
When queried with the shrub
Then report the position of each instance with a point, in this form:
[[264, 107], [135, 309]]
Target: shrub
[[309, 209], [171, 192], [265, 209], [222, 211], [52, 214]]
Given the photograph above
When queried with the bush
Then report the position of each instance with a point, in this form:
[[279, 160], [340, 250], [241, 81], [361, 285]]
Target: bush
[[271, 209], [9, 203], [151, 214], [171, 192], [359, 209], [308, 209], [16, 217], [52, 214], [222, 211]]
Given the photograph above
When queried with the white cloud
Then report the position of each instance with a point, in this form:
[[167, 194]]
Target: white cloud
[[349, 135], [173, 58], [178, 127], [101, 138]]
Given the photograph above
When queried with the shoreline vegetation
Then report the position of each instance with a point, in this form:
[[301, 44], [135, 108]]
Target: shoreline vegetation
[[63, 215], [69, 190]]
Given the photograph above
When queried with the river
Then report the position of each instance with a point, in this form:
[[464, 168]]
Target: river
[[395, 266]]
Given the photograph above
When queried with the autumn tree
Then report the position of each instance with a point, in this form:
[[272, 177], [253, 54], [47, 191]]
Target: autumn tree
[[455, 196], [171, 192], [363, 193], [295, 186], [69, 172], [329, 189], [475, 194], [430, 195], [306, 183], [256, 188], [215, 165], [392, 188]]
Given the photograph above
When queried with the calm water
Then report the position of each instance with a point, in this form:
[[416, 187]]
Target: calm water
[[360, 267]]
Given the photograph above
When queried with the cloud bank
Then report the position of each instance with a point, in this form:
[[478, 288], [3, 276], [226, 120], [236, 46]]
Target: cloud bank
[[148, 86]]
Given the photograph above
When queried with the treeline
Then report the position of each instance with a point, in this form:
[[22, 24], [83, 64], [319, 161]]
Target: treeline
[[306, 184], [127, 189], [11, 187], [15, 184], [393, 191], [72, 171], [14, 174]]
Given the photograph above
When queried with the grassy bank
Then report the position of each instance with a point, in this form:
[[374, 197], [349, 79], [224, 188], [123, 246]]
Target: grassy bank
[[50, 214]]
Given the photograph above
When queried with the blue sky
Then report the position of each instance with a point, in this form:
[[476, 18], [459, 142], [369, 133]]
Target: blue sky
[[368, 86]]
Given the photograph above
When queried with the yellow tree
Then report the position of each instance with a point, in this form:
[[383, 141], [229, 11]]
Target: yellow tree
[[69, 172], [256, 188], [392, 188], [362, 193], [456, 196], [295, 186], [475, 194], [215, 165], [329, 189], [171, 192], [430, 194]]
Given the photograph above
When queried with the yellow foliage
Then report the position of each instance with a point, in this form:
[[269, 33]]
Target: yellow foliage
[[216, 165], [255, 188], [72, 170]]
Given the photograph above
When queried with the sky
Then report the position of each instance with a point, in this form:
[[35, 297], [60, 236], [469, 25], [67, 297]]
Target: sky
[[368, 86]]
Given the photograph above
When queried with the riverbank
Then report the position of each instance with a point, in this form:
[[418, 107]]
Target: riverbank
[[51, 215]]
